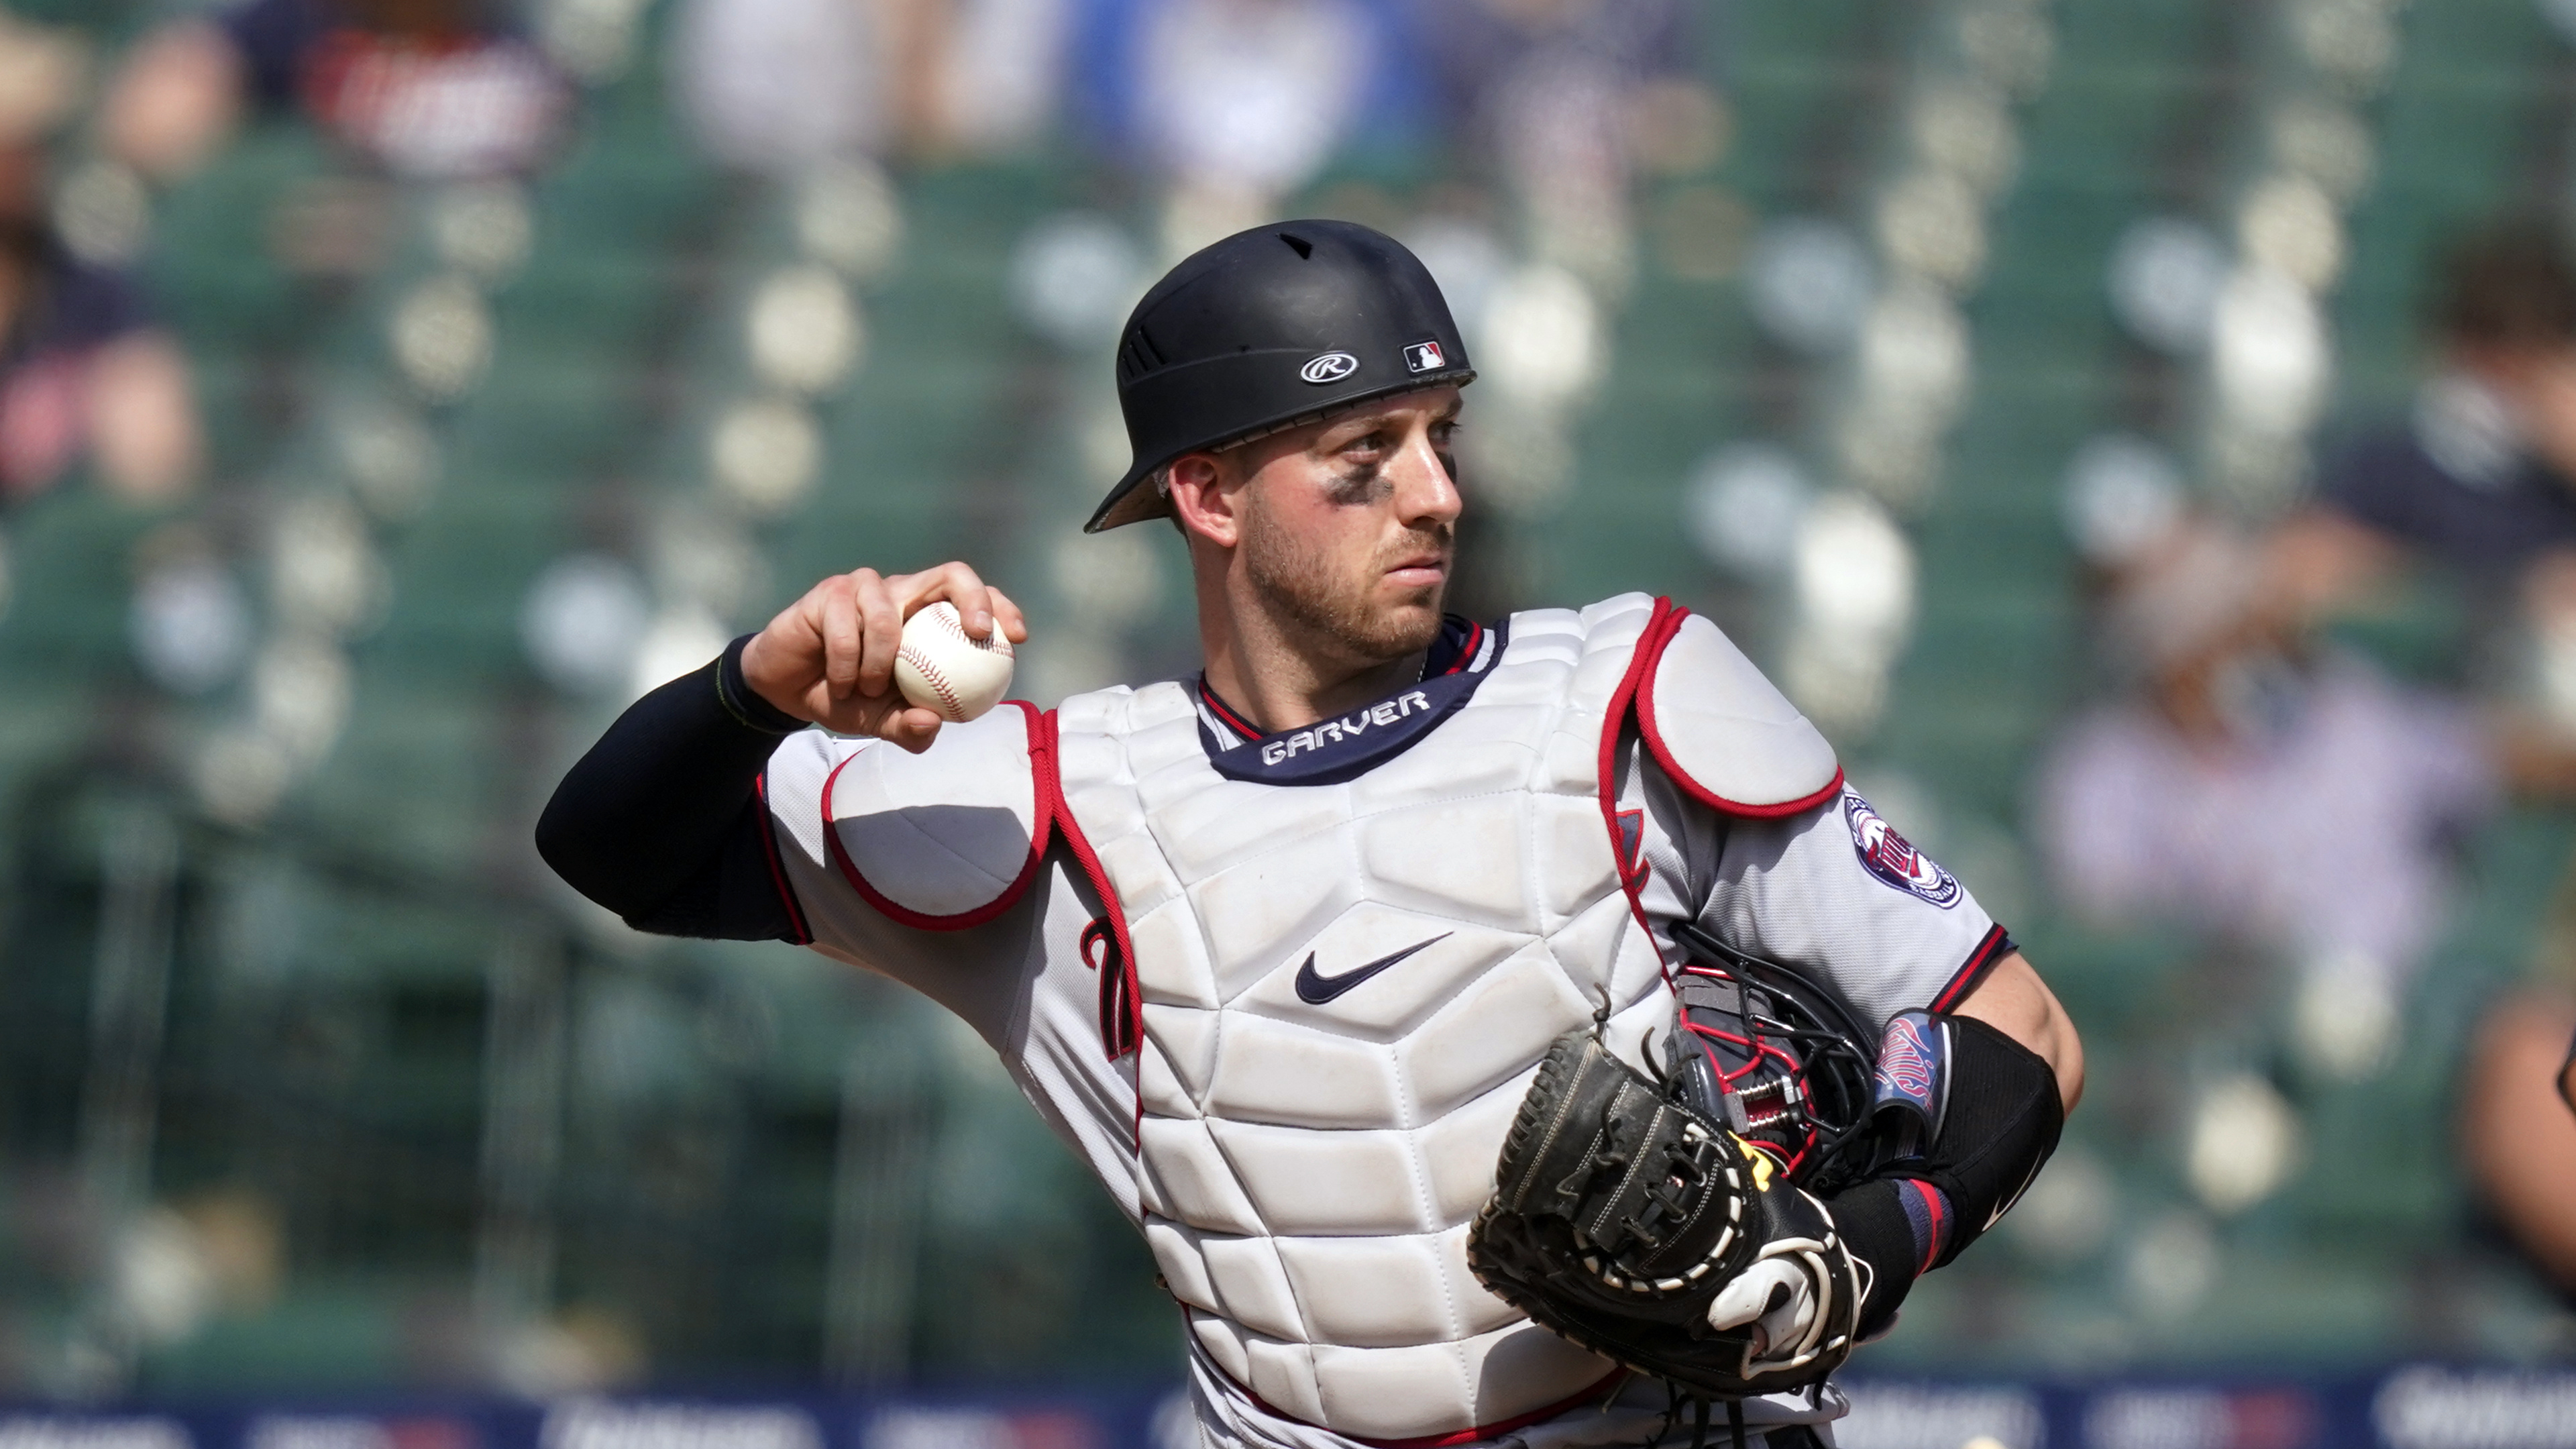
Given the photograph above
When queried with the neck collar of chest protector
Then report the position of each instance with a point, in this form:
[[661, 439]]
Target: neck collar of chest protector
[[1271, 329], [1349, 745]]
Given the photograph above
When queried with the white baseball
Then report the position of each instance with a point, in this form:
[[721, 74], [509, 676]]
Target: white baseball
[[941, 670]]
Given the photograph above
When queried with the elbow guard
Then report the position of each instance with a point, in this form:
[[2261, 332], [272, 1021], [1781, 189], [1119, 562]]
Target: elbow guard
[[1966, 1118], [1970, 1111]]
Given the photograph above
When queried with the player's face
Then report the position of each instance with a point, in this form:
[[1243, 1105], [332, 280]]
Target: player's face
[[1350, 527]]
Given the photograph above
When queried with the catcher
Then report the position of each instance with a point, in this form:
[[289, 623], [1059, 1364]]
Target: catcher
[[1506, 1031]]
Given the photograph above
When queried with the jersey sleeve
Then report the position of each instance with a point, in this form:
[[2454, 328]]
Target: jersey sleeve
[[1835, 891]]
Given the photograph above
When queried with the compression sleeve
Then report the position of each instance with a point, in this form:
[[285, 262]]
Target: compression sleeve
[[663, 820]]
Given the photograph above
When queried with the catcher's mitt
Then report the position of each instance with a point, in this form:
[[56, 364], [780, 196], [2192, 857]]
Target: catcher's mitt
[[1621, 1215]]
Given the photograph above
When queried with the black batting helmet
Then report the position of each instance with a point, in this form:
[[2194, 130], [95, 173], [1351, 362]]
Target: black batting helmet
[[1266, 330]]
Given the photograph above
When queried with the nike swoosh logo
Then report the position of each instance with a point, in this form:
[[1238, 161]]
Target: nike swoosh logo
[[1314, 989], [2007, 1204]]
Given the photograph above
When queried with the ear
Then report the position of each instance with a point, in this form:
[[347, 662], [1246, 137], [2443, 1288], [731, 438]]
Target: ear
[[1207, 500]]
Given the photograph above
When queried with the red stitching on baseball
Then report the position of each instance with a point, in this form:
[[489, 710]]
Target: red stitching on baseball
[[947, 617], [931, 676]]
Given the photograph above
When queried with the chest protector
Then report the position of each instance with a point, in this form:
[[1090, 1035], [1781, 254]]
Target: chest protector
[[1336, 994]]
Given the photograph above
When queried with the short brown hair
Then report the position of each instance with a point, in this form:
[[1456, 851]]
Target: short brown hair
[[2511, 283]]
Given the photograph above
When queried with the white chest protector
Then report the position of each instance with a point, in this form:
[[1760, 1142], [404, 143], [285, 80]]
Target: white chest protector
[[1339, 992]]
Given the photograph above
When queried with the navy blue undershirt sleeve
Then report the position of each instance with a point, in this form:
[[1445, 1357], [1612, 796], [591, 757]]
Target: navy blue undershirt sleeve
[[2388, 483], [663, 821]]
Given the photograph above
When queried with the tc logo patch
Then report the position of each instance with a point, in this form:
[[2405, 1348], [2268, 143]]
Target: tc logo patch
[[1331, 367], [1892, 859], [1424, 357]]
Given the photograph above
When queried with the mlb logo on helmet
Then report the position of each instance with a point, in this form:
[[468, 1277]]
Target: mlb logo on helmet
[[1424, 357]]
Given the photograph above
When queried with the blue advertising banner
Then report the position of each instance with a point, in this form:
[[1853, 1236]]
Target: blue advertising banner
[[2421, 1406]]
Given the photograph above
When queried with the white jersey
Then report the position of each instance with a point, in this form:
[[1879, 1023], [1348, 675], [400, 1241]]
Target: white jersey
[[1285, 993]]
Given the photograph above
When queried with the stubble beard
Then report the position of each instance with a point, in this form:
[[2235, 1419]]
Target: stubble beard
[[1330, 599]]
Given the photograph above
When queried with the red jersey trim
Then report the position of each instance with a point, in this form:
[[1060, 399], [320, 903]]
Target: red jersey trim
[[1233, 720], [1042, 800], [1995, 946], [1467, 650]]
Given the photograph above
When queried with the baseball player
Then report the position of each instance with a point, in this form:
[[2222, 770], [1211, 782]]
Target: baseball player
[[1307, 954]]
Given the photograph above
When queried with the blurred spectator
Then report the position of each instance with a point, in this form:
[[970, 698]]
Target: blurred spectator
[[1553, 94], [2255, 785], [2482, 477], [783, 85], [2481, 482], [994, 81], [1234, 104], [1249, 94], [777, 85], [2265, 789], [82, 370], [430, 88]]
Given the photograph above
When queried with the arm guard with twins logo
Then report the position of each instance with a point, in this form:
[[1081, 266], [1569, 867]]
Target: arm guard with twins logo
[[1985, 1135], [1965, 1117]]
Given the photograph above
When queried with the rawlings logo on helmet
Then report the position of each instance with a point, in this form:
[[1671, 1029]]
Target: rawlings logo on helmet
[[1331, 367], [1893, 859]]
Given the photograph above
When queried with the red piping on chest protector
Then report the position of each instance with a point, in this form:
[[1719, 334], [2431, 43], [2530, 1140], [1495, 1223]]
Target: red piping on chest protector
[[1632, 874], [1122, 1010], [1042, 803]]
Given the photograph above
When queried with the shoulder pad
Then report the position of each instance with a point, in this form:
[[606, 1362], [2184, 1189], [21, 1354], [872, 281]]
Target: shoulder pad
[[1631, 611], [950, 837], [1723, 732]]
